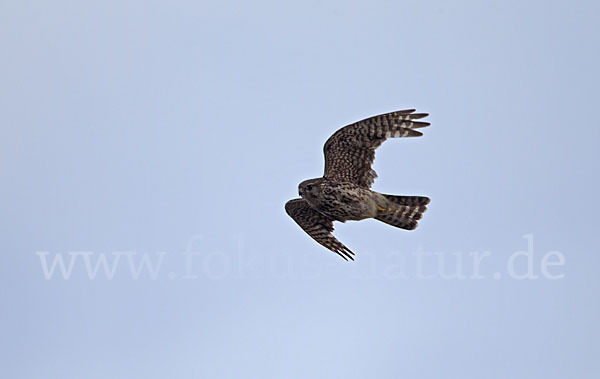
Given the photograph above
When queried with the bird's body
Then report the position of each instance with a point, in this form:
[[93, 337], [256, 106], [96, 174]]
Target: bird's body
[[344, 193], [342, 201]]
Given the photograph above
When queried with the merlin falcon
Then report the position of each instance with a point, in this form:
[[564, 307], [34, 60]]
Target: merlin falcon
[[343, 193]]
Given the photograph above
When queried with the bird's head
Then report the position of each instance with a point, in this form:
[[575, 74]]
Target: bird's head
[[309, 188]]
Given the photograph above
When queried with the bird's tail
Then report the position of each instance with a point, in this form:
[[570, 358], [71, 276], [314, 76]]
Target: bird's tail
[[403, 211]]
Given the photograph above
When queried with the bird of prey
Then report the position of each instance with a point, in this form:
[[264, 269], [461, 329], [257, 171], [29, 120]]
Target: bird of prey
[[343, 193]]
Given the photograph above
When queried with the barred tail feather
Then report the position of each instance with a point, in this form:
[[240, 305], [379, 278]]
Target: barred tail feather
[[404, 211], [407, 200], [398, 222]]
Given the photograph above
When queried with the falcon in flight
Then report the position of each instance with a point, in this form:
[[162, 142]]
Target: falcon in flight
[[343, 193]]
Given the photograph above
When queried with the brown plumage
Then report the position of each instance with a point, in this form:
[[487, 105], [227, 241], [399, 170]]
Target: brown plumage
[[343, 193]]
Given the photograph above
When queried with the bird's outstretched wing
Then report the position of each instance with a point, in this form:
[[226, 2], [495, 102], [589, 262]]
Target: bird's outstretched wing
[[317, 226], [350, 152]]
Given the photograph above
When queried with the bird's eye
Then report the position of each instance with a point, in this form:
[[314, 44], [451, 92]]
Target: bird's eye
[[309, 187]]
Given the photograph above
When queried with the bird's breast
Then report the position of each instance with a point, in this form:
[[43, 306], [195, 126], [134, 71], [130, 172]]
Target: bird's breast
[[345, 201]]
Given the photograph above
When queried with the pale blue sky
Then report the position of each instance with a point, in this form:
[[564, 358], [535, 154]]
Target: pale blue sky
[[165, 127]]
